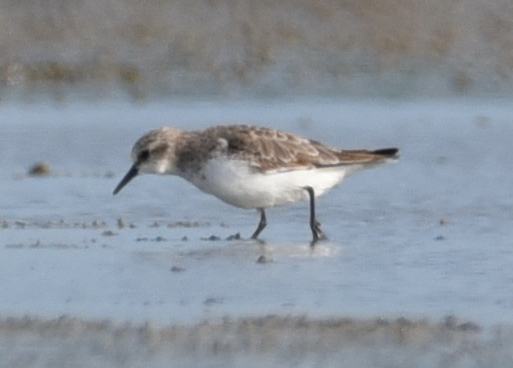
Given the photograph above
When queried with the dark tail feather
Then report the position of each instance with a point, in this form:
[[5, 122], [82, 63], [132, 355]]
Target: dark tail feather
[[387, 152]]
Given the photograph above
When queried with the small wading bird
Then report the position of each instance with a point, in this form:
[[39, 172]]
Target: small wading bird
[[250, 166]]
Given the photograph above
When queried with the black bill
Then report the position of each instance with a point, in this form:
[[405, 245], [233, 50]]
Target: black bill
[[132, 173]]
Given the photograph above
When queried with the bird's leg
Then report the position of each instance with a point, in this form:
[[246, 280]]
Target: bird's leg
[[314, 224], [261, 225]]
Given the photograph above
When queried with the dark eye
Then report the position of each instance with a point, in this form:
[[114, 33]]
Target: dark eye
[[143, 155]]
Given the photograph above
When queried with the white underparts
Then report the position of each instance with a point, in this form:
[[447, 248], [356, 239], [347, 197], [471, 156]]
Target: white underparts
[[233, 182]]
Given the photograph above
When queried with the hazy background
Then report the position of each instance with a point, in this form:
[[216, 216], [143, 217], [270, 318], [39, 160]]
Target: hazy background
[[379, 48], [418, 269]]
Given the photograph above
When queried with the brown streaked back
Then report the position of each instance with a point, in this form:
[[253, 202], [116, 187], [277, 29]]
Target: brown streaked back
[[273, 150]]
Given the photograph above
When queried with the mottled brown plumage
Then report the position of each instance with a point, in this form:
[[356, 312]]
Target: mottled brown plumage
[[268, 149]]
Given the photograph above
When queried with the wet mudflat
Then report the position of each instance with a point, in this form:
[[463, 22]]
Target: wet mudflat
[[412, 243]]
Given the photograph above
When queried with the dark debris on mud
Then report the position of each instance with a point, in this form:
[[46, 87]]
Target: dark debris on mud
[[95, 225], [40, 169], [218, 238], [46, 245]]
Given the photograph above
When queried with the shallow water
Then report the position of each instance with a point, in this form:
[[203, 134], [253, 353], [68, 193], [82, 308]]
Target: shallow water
[[427, 237]]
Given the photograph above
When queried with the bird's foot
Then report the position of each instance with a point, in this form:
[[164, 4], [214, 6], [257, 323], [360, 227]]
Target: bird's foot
[[318, 235]]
